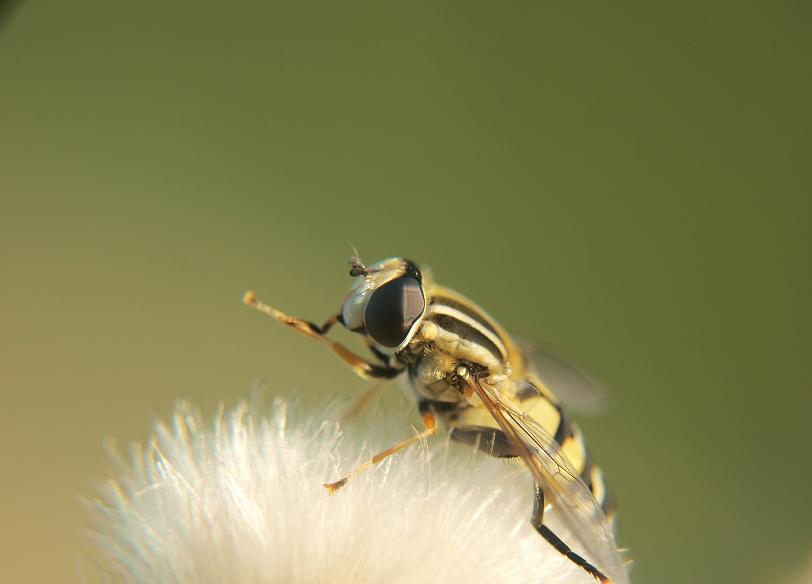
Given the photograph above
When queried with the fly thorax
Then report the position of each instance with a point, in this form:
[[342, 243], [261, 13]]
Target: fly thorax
[[432, 376]]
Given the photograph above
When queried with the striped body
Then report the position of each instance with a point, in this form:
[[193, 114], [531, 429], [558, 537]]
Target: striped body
[[454, 330], [472, 376]]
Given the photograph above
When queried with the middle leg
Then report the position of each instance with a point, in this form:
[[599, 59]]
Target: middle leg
[[430, 428]]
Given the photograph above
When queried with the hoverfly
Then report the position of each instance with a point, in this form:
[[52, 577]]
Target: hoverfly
[[469, 373]]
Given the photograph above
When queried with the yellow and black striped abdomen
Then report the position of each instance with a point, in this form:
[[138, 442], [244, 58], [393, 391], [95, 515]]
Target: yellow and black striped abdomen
[[474, 425], [569, 438]]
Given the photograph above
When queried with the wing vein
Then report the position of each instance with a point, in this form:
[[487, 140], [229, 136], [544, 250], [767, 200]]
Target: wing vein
[[572, 501]]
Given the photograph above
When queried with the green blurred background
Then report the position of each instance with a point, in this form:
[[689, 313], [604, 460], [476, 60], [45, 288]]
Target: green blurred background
[[628, 181]]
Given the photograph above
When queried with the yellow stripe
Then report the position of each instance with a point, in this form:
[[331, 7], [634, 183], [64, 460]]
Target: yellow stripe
[[575, 451], [544, 413], [470, 322], [514, 356], [598, 486]]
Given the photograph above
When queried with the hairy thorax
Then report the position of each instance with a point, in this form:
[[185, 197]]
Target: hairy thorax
[[433, 357]]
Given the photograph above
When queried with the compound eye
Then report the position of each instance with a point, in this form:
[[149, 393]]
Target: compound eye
[[393, 309]]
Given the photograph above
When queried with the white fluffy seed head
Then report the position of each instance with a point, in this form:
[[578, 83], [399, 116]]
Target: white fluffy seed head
[[240, 499]]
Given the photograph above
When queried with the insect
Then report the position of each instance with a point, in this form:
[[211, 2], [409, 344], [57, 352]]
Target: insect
[[469, 373]]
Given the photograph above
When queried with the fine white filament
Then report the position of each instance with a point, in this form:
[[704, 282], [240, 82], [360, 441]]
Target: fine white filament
[[239, 499]]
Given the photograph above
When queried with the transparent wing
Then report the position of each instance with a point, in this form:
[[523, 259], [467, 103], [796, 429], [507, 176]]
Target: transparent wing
[[572, 386], [570, 497]]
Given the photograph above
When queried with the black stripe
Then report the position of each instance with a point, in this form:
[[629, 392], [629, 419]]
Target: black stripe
[[467, 311], [586, 474], [467, 332], [609, 505], [528, 391], [564, 430]]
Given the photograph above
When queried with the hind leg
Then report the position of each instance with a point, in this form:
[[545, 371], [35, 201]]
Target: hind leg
[[555, 541]]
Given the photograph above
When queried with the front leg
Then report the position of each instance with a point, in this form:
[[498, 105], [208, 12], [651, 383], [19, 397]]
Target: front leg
[[362, 367]]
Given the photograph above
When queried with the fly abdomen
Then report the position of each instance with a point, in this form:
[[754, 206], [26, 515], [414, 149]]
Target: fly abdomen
[[569, 439], [572, 445], [594, 478]]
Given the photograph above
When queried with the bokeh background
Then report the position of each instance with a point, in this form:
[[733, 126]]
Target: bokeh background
[[628, 181]]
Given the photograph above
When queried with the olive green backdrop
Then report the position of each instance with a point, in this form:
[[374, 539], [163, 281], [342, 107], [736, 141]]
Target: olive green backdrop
[[629, 181]]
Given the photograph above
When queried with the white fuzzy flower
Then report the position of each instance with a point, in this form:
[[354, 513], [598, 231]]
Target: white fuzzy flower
[[240, 500]]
